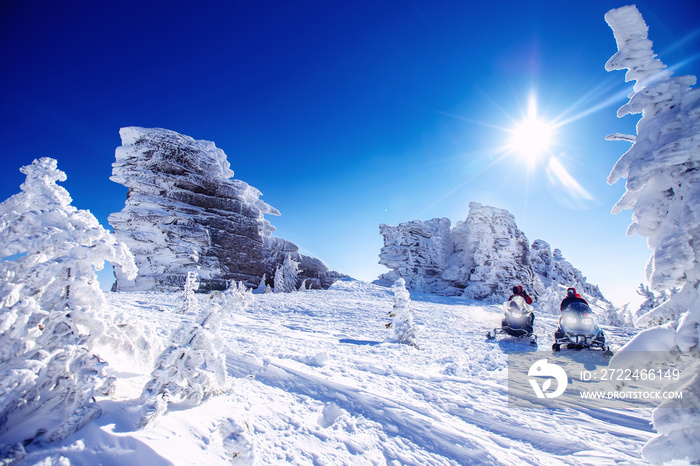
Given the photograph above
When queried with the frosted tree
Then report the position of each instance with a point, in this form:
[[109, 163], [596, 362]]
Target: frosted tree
[[287, 275], [649, 314], [291, 274], [279, 280], [616, 317], [193, 368], [189, 304], [262, 284], [237, 296], [650, 301], [53, 314], [402, 328], [662, 169]]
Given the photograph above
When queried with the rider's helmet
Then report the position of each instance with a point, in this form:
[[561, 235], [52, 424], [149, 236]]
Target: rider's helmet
[[517, 289], [571, 292]]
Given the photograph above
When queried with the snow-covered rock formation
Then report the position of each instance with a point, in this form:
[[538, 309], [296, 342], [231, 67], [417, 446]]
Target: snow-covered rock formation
[[184, 213], [553, 274], [497, 254], [481, 258], [418, 252]]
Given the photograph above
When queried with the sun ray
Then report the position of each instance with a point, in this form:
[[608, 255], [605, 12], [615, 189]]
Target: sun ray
[[560, 176], [468, 180], [469, 120], [596, 94]]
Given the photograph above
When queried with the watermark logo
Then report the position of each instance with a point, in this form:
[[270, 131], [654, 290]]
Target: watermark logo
[[541, 369], [572, 379]]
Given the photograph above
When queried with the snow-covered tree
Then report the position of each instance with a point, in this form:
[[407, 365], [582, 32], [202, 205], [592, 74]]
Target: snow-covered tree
[[193, 368], [189, 302], [262, 284], [647, 315], [53, 314], [279, 280], [616, 317], [662, 169], [291, 274], [286, 276], [402, 328]]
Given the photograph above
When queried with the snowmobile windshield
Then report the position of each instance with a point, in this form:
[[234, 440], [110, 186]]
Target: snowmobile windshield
[[517, 305], [578, 307]]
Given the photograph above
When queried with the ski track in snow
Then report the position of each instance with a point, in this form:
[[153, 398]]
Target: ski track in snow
[[315, 381]]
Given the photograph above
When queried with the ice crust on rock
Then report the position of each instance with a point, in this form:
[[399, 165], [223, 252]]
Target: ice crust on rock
[[554, 270], [184, 213], [481, 258], [500, 251], [418, 252]]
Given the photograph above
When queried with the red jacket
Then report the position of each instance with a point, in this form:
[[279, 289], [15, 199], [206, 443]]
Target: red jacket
[[523, 294]]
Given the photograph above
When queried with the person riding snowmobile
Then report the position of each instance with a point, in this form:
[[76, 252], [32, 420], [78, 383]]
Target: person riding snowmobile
[[518, 291], [519, 318], [577, 327], [571, 297]]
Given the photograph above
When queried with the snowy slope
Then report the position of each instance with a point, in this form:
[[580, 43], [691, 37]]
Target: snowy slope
[[314, 381]]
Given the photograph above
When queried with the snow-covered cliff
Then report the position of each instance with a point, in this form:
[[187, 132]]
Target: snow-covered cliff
[[418, 252], [498, 252], [184, 213], [481, 258]]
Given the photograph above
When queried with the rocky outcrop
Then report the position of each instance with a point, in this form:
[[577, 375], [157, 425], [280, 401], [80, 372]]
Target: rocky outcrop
[[311, 269], [553, 270], [418, 252], [184, 213], [481, 258], [499, 253]]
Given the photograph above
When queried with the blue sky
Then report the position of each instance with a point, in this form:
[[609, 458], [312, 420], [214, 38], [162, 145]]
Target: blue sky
[[346, 115]]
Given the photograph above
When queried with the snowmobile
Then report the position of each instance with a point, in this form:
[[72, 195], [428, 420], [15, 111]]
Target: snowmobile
[[578, 330], [517, 321]]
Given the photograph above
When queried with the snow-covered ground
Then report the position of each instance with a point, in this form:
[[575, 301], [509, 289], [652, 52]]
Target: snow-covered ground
[[313, 380]]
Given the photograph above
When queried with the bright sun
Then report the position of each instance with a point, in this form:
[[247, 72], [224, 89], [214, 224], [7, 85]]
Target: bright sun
[[531, 137]]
